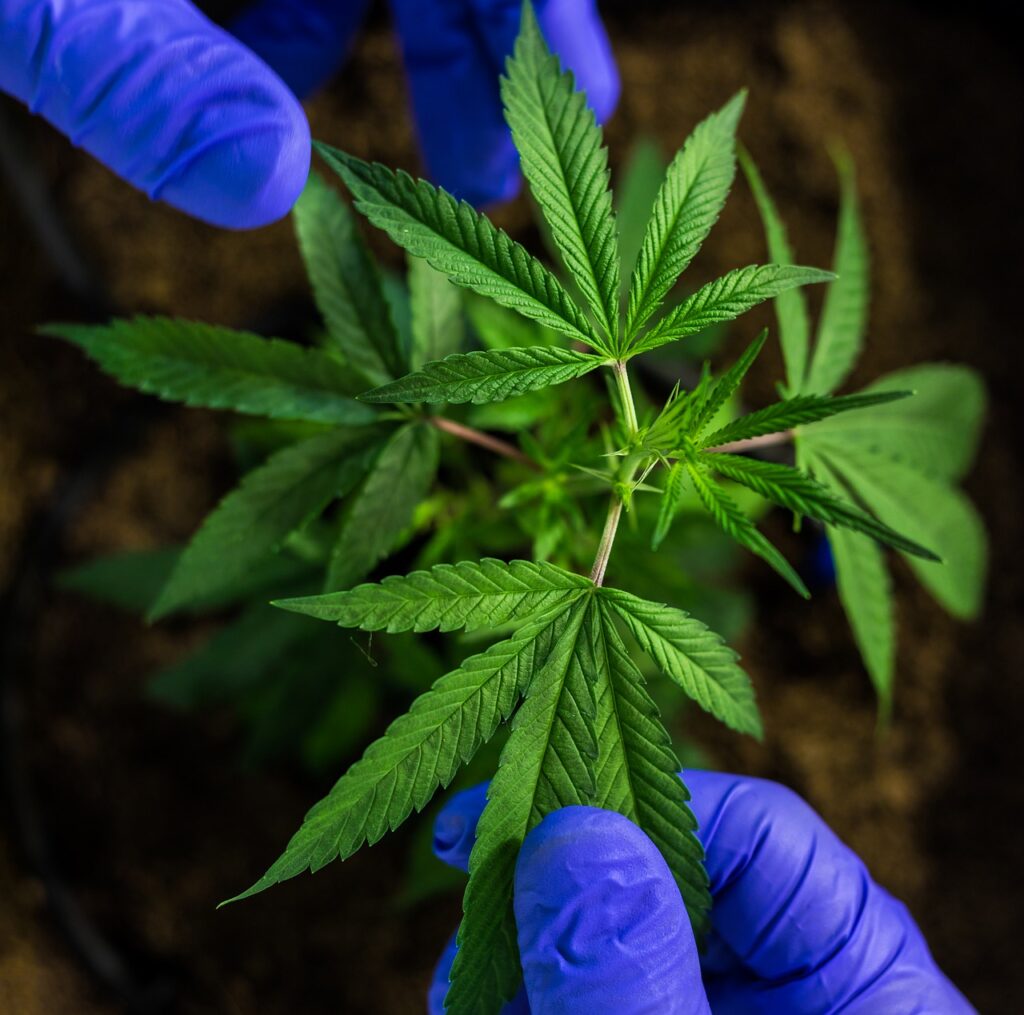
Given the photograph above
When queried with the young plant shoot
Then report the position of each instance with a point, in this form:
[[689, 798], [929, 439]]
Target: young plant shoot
[[356, 439]]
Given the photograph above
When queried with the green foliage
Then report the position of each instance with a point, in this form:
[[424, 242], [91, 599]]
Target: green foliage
[[928, 509], [563, 158], [635, 197], [865, 591], [899, 457], [790, 306], [637, 772], [694, 657], [347, 285], [792, 489], [352, 476], [447, 597], [725, 299], [732, 520], [487, 376], [282, 495], [217, 368], [688, 204], [844, 317], [935, 432], [419, 751], [668, 505], [793, 412], [459, 242], [382, 507], [436, 314]]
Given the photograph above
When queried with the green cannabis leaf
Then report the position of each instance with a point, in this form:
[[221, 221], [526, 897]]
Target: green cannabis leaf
[[490, 375], [347, 285], [694, 657], [688, 204], [566, 164], [897, 456], [217, 368], [791, 489], [637, 772], [727, 514], [793, 412], [419, 751], [725, 299], [382, 507], [293, 486], [791, 305], [436, 314], [844, 317], [449, 597], [460, 242]]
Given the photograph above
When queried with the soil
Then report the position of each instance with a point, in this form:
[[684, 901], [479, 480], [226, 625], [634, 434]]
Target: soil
[[148, 814]]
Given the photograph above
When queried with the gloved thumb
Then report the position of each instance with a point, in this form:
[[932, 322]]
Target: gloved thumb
[[602, 926]]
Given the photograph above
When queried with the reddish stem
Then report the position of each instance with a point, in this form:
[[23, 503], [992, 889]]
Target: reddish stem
[[766, 440], [483, 440]]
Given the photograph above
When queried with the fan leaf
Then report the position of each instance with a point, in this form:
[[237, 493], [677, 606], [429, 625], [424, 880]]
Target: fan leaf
[[693, 656], [793, 489], [844, 316], [382, 507], [205, 366], [419, 752], [488, 375], [936, 431], [865, 590], [460, 242], [291, 488], [791, 304], [547, 763], [688, 204], [797, 411], [637, 771], [448, 597], [725, 299], [346, 284], [564, 159], [724, 510], [437, 326]]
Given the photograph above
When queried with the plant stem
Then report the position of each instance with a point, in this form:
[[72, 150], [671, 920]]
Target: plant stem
[[611, 524], [766, 440], [483, 440], [604, 550], [626, 394]]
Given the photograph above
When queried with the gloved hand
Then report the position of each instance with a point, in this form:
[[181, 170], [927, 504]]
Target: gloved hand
[[209, 121], [798, 926]]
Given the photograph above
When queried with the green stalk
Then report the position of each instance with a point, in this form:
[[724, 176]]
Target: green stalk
[[611, 524]]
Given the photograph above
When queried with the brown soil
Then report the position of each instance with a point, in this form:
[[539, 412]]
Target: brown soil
[[153, 819]]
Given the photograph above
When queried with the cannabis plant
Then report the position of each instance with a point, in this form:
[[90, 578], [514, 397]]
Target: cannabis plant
[[357, 422], [900, 459]]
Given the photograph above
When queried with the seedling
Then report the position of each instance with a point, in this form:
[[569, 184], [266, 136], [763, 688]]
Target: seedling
[[366, 411]]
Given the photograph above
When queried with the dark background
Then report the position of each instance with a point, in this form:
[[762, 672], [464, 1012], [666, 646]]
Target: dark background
[[133, 821]]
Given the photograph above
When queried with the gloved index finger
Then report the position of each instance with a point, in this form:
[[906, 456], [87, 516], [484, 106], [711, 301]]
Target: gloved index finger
[[165, 98]]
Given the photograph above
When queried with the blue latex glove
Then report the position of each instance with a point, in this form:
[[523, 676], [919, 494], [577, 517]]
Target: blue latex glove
[[798, 926], [209, 121]]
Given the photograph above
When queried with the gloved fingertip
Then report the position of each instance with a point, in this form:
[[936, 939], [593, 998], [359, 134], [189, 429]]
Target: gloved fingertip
[[246, 179], [303, 41], [602, 927], [455, 826], [441, 979]]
